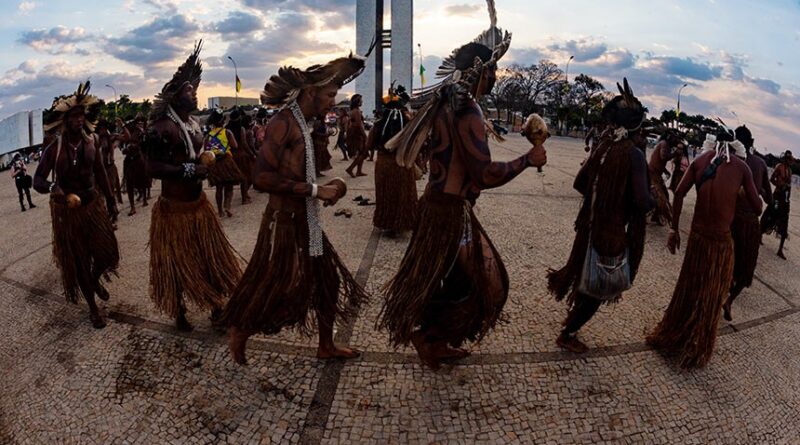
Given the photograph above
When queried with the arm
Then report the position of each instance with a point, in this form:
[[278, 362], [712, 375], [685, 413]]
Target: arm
[[581, 183], [766, 187], [674, 240], [477, 158], [267, 177], [233, 143], [750, 191], [46, 165], [641, 186], [159, 162], [101, 178]]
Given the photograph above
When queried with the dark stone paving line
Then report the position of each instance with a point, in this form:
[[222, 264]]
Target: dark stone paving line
[[775, 291], [317, 418]]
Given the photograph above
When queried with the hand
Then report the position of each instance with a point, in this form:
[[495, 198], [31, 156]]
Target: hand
[[56, 191], [201, 171], [537, 157], [674, 241], [328, 194], [587, 149]]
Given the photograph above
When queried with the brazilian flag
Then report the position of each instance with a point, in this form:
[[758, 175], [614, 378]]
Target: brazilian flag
[[238, 84], [422, 74]]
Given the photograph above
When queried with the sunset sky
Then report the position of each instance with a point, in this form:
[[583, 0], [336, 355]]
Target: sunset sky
[[738, 56]]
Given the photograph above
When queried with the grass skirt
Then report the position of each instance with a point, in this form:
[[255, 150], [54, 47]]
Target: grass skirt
[[776, 217], [113, 178], [746, 232], [431, 292], [689, 325], [283, 287], [190, 257], [663, 209], [84, 244], [134, 169], [395, 195], [244, 162], [224, 172], [356, 142]]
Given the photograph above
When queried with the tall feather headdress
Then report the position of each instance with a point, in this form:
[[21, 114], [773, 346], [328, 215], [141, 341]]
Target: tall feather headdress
[[80, 98], [285, 86], [450, 92], [190, 72]]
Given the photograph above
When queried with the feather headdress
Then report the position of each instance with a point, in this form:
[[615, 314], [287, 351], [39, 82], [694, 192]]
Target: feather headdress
[[285, 86], [189, 73], [80, 98], [458, 78], [625, 112]]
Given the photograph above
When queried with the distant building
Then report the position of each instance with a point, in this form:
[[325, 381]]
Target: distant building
[[21, 131], [230, 102]]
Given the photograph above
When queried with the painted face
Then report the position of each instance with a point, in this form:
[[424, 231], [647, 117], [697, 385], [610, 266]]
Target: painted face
[[75, 119], [325, 100]]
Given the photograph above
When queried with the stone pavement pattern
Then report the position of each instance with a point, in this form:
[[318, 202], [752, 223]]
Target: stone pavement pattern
[[140, 381]]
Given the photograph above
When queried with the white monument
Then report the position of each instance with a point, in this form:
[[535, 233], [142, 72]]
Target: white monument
[[399, 39]]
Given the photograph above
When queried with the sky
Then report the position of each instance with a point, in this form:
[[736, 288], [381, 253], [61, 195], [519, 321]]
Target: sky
[[739, 58]]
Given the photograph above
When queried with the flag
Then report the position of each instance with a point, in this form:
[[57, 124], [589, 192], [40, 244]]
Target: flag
[[422, 74], [238, 84]]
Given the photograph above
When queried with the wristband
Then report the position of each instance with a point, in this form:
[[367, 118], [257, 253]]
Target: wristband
[[52, 186], [314, 190], [188, 170]]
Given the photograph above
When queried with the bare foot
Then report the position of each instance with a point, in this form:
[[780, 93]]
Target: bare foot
[[726, 311], [228, 212], [237, 344], [450, 353], [247, 200], [350, 172], [424, 351], [337, 352], [97, 320], [571, 344], [781, 255], [360, 174], [145, 204], [132, 212]]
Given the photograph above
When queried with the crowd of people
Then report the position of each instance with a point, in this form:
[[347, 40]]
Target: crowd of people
[[451, 285]]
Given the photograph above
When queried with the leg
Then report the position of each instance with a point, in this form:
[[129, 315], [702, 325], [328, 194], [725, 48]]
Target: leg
[[736, 289], [237, 344], [181, 323], [28, 194], [88, 290], [245, 188], [228, 197], [218, 196], [21, 199], [144, 197], [780, 247], [581, 312], [132, 200], [326, 314]]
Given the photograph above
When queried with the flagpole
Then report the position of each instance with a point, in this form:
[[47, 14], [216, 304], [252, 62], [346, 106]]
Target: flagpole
[[421, 75], [236, 73]]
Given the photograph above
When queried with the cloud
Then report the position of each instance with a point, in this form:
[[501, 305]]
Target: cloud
[[462, 10], [685, 67], [239, 22], [167, 6], [56, 41], [26, 7], [161, 40], [26, 88], [584, 50]]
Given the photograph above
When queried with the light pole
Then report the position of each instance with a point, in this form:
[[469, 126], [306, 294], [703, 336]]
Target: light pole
[[678, 110], [236, 73], [115, 99], [566, 91]]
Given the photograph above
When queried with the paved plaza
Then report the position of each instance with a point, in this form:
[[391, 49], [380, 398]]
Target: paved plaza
[[139, 381]]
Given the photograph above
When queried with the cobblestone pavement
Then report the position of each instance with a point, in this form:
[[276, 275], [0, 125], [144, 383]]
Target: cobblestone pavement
[[140, 381]]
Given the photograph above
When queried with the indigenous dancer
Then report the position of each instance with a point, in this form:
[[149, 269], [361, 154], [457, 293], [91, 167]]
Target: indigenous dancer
[[777, 218], [108, 145], [134, 166], [746, 229], [343, 121], [244, 153], [22, 180], [452, 285], [223, 174], [191, 260], [611, 223], [295, 276], [356, 137], [321, 153], [84, 245], [665, 150], [689, 325], [395, 186]]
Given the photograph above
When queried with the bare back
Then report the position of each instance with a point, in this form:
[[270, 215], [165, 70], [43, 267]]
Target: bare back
[[716, 198]]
